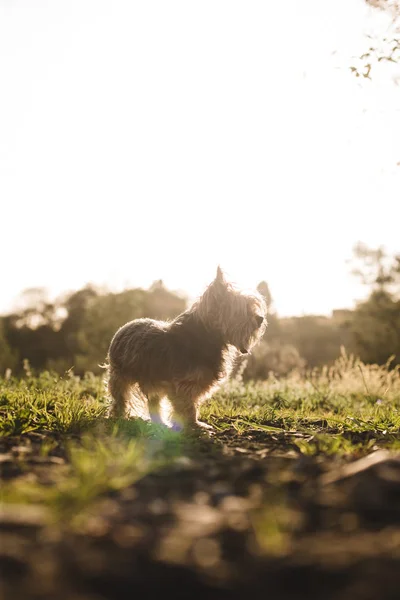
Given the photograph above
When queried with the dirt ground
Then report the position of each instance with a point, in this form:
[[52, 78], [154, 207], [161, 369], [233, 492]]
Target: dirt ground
[[242, 515]]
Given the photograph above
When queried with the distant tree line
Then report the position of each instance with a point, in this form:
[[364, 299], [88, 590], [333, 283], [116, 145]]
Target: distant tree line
[[74, 331]]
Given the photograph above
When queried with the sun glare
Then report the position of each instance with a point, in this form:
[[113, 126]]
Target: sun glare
[[140, 144]]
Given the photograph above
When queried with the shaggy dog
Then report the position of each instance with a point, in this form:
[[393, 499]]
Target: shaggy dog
[[184, 360]]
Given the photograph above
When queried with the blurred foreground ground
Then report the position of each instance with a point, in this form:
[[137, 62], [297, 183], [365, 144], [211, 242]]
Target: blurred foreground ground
[[287, 498]]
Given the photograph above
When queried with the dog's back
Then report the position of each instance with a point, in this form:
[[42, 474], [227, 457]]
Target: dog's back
[[146, 350]]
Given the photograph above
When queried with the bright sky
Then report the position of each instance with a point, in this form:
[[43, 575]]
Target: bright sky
[[148, 139]]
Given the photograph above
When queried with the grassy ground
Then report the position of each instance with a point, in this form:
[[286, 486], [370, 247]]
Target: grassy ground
[[267, 500]]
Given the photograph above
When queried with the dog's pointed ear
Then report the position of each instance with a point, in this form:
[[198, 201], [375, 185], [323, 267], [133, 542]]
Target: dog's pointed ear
[[220, 276]]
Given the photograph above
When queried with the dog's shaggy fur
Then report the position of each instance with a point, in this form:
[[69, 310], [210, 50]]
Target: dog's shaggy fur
[[186, 359]]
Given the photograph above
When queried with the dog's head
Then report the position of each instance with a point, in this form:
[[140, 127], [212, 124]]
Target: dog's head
[[240, 317]]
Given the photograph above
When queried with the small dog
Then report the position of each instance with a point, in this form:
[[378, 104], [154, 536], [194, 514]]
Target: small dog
[[184, 360]]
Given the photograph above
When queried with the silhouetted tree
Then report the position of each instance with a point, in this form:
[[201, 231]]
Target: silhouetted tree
[[376, 328], [71, 331], [273, 357], [317, 339], [8, 356], [376, 268], [391, 6], [375, 323], [384, 48]]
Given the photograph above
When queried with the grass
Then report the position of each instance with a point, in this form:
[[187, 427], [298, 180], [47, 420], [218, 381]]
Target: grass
[[348, 398], [51, 403], [347, 409], [95, 467]]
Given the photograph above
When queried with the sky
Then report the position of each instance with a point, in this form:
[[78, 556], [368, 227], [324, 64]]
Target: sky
[[146, 140]]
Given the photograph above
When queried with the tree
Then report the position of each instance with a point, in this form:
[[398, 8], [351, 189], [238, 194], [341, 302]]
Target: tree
[[391, 6], [375, 323], [272, 357], [376, 328], [318, 339], [376, 268], [384, 48], [8, 357], [76, 305], [35, 309]]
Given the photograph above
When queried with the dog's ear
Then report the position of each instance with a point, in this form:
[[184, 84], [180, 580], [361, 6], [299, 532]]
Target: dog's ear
[[220, 276], [217, 288]]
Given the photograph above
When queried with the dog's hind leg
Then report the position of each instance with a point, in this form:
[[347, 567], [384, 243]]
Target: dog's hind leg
[[119, 390]]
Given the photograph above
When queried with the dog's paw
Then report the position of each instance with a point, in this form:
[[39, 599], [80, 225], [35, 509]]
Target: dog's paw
[[117, 414], [195, 426], [204, 425], [178, 427]]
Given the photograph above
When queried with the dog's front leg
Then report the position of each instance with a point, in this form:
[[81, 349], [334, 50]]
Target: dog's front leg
[[184, 414], [154, 408]]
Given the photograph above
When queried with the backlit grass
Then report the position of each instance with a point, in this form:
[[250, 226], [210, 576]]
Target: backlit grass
[[347, 409]]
